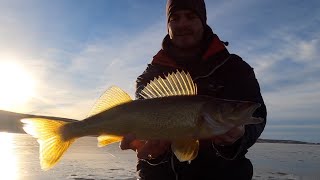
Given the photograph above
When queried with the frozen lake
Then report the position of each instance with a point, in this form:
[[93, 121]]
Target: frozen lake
[[84, 160]]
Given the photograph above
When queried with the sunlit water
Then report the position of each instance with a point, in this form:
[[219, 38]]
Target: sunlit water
[[9, 168], [19, 160]]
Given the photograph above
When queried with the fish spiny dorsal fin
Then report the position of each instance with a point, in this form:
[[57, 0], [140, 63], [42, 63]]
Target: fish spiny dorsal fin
[[174, 84], [112, 97]]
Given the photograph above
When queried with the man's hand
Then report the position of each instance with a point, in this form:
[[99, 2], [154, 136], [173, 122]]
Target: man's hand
[[154, 148], [145, 149], [229, 137]]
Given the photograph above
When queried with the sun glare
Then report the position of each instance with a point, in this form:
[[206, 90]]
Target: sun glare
[[16, 85]]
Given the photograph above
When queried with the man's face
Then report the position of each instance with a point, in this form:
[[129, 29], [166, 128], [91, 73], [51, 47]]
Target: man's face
[[185, 29]]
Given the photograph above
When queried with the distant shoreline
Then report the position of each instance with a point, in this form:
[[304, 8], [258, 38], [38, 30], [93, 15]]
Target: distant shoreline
[[284, 141]]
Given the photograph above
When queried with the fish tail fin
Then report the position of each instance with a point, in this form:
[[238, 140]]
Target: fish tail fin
[[49, 134]]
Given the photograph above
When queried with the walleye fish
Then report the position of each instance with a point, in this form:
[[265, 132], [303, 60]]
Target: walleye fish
[[171, 110]]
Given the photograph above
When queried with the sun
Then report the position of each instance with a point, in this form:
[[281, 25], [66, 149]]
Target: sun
[[16, 85]]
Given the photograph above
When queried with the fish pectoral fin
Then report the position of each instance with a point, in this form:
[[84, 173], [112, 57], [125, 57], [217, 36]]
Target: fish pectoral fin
[[185, 150], [104, 140]]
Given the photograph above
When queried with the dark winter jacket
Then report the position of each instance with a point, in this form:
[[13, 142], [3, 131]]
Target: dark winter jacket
[[219, 74]]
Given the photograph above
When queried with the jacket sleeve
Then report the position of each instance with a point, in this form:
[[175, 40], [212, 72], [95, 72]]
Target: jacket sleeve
[[243, 85]]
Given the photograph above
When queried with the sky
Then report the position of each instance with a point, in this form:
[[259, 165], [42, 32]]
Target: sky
[[67, 53]]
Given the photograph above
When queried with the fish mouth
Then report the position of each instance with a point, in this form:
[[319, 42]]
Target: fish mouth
[[253, 107], [245, 108]]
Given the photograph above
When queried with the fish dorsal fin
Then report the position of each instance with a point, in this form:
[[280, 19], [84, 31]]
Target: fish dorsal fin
[[112, 97], [174, 84]]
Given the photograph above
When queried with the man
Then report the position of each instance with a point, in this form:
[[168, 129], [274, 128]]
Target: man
[[192, 46]]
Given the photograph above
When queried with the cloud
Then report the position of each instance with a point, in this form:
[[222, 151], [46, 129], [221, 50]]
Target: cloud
[[70, 82], [308, 50], [290, 77], [70, 79], [119, 61], [287, 67], [296, 102], [305, 126], [73, 70], [283, 47]]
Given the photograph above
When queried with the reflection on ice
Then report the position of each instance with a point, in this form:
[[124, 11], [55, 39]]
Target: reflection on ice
[[8, 159], [19, 160]]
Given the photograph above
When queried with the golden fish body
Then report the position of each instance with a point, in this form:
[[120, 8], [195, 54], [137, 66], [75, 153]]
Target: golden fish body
[[169, 118]]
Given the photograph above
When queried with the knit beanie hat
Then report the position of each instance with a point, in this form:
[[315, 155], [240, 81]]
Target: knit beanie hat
[[198, 6]]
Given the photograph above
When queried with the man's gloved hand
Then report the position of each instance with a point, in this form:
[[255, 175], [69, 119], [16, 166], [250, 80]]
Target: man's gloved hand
[[145, 149], [153, 148]]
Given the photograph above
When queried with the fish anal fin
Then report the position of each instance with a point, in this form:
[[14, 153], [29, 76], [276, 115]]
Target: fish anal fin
[[185, 150], [104, 140], [110, 98]]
